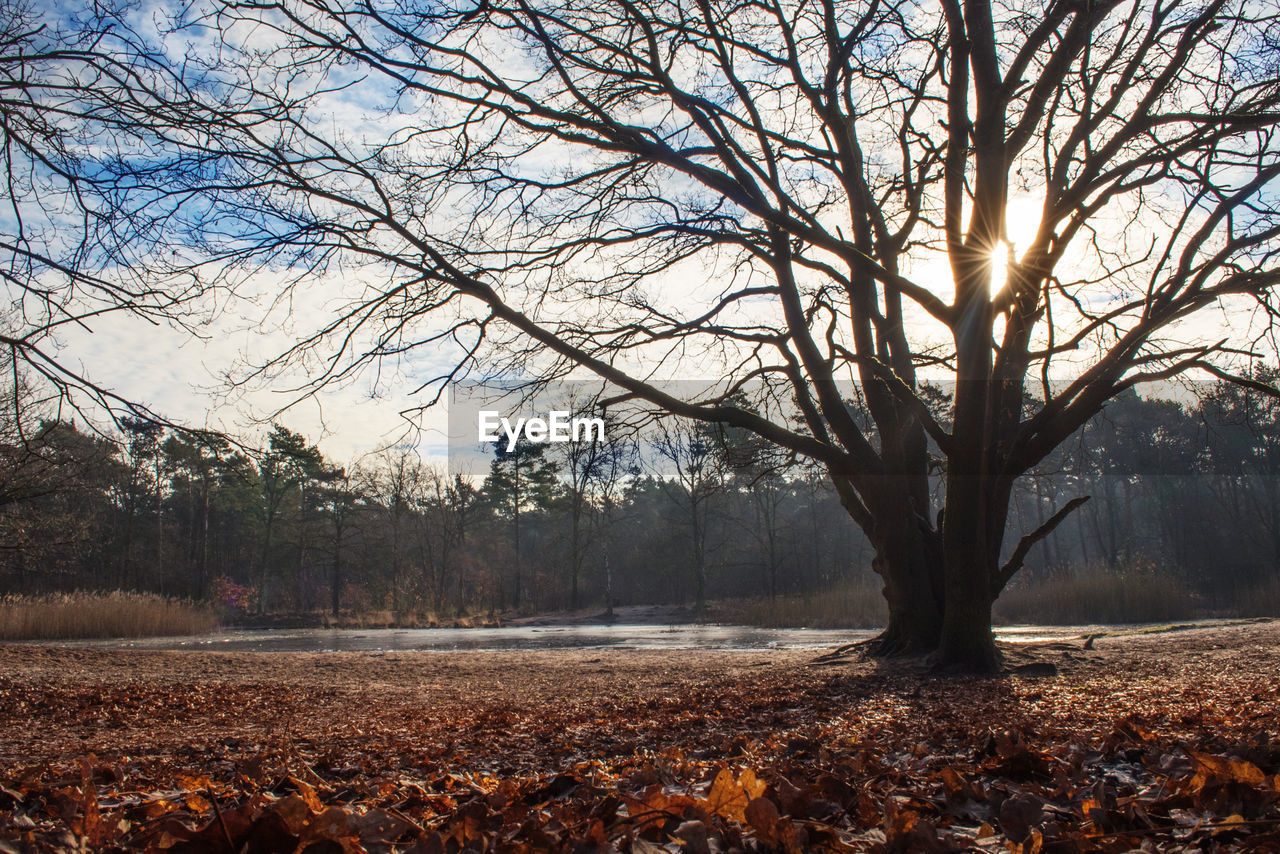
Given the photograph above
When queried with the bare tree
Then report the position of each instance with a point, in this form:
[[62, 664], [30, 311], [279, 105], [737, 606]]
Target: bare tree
[[395, 479], [591, 467], [786, 195], [615, 465], [338, 497], [446, 507], [65, 262], [699, 472]]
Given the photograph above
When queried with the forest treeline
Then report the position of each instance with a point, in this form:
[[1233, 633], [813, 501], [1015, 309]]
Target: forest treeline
[[1183, 493]]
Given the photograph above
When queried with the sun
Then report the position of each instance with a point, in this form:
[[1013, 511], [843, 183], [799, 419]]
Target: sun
[[999, 267], [1021, 222]]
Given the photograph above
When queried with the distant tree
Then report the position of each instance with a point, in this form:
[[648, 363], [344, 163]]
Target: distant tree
[[591, 467], [144, 492], [394, 481], [31, 465], [758, 468], [520, 480], [284, 467], [697, 457], [337, 495], [55, 516], [1242, 456], [769, 493], [194, 463], [447, 507]]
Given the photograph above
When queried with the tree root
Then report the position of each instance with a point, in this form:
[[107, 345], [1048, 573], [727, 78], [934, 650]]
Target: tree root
[[899, 644]]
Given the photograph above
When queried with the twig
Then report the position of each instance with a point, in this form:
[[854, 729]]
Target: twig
[[400, 815], [217, 811]]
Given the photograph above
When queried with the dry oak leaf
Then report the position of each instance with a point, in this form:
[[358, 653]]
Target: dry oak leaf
[[1216, 770], [728, 798]]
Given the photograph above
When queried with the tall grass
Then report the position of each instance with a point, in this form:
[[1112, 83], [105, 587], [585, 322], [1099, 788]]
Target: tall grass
[[850, 605], [1096, 596], [1259, 600], [100, 615]]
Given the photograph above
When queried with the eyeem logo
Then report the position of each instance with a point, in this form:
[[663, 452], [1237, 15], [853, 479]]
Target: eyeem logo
[[558, 427]]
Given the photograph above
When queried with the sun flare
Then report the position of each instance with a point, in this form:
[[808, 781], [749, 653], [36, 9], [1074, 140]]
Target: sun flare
[[999, 266], [1021, 222]]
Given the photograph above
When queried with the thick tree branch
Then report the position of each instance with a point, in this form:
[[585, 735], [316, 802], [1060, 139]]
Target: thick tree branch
[[1011, 566]]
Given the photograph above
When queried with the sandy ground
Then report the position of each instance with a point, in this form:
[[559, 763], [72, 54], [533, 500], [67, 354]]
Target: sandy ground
[[531, 709]]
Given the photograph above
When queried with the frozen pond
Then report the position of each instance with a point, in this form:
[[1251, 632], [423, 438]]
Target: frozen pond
[[615, 636]]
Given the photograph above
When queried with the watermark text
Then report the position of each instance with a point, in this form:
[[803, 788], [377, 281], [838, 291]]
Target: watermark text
[[558, 426]]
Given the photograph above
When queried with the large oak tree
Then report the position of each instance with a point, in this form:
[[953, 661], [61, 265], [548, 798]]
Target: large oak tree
[[808, 198]]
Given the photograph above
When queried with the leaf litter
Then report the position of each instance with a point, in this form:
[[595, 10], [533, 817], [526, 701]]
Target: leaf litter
[[1156, 743]]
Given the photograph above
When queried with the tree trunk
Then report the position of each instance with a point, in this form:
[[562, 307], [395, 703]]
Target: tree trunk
[[967, 644], [576, 559], [970, 560], [299, 582], [608, 587], [335, 589], [908, 553], [160, 527], [908, 560], [204, 543], [938, 584], [265, 569], [699, 557], [515, 598]]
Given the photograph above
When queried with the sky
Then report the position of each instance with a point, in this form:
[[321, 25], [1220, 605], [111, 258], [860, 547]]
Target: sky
[[184, 379]]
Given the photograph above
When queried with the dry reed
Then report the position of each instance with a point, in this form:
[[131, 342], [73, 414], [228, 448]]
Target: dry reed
[[100, 615]]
